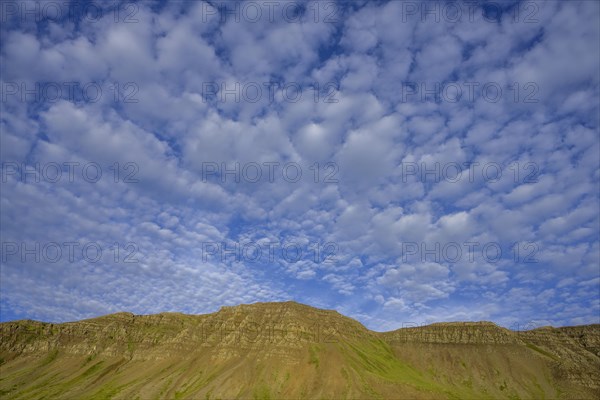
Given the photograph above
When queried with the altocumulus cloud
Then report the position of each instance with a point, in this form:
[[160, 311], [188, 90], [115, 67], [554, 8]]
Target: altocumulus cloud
[[401, 162]]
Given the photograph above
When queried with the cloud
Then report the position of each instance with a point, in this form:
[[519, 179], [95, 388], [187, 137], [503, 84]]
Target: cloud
[[384, 155]]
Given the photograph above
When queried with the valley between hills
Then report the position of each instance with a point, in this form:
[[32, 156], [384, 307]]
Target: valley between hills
[[289, 350]]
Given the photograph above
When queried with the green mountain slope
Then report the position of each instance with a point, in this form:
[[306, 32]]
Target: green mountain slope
[[289, 350]]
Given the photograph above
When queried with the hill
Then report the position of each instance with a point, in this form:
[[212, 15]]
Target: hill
[[292, 351]]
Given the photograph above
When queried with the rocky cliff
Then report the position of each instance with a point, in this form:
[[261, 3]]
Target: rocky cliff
[[290, 350]]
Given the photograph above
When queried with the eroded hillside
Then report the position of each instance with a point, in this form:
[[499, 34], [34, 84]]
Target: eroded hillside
[[289, 350]]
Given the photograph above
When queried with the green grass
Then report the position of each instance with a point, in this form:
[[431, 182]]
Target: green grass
[[130, 348], [314, 355], [363, 366], [543, 352], [91, 370], [49, 358], [108, 391], [89, 359], [262, 393], [377, 359]]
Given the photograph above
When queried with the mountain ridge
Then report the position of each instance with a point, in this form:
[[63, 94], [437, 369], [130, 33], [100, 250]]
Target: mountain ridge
[[295, 303], [292, 350]]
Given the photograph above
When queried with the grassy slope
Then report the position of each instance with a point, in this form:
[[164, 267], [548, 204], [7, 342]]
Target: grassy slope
[[364, 366]]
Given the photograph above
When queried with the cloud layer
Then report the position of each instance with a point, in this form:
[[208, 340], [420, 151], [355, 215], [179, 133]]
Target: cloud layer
[[401, 162]]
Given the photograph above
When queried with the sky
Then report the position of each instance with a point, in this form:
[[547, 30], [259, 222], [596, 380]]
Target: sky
[[400, 162]]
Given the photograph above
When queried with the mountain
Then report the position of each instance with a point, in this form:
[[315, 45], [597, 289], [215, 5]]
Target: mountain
[[292, 351]]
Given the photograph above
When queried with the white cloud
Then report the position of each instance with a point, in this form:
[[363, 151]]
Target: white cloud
[[547, 150]]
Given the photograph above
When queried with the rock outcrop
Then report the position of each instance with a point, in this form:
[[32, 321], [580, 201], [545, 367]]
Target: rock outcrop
[[290, 350]]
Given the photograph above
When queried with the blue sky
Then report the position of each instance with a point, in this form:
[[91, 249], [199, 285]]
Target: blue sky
[[400, 162]]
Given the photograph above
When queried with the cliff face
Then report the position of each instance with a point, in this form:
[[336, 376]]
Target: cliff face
[[289, 350], [456, 333], [263, 327], [570, 356]]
